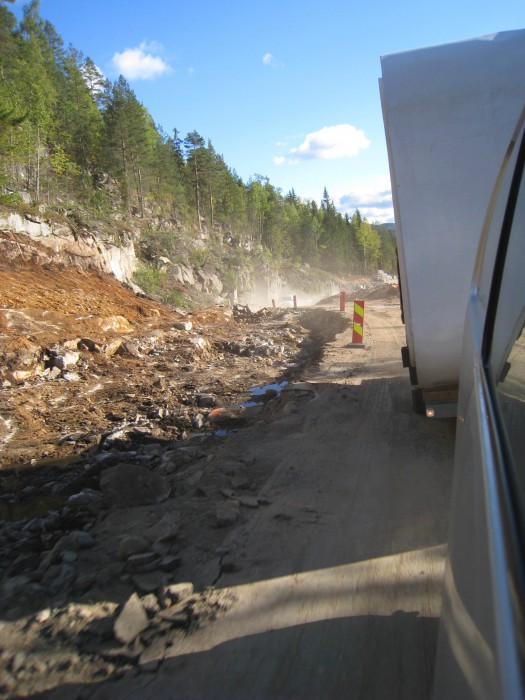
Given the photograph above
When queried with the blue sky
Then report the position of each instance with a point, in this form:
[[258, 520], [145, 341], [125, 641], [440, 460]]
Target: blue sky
[[285, 89]]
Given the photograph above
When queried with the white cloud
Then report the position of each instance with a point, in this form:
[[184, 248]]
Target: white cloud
[[141, 63], [330, 142], [373, 199], [269, 60]]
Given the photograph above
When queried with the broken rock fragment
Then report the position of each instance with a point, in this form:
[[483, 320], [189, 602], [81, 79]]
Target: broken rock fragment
[[227, 417], [249, 502], [60, 360], [132, 485], [119, 324], [128, 348], [132, 544], [121, 437], [132, 620], [152, 656], [88, 344], [227, 513], [178, 591], [228, 466], [112, 347], [206, 400], [170, 563], [143, 563], [78, 539], [164, 530]]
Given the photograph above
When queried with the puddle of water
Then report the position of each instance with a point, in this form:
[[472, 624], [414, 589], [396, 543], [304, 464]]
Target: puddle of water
[[32, 508], [58, 462], [268, 388], [15, 477], [260, 394]]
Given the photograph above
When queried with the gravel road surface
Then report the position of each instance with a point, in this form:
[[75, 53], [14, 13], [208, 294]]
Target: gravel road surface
[[335, 582]]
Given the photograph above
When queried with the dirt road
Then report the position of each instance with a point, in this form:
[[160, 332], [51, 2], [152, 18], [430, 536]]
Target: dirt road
[[334, 584]]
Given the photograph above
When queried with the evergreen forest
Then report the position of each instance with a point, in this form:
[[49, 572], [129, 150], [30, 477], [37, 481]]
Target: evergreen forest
[[70, 138]]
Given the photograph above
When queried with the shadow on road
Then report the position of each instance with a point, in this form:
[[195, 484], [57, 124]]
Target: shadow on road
[[363, 658], [336, 579]]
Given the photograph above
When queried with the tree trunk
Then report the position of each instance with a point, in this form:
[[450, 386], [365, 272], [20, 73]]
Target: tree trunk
[[37, 187], [124, 171], [141, 192], [197, 198]]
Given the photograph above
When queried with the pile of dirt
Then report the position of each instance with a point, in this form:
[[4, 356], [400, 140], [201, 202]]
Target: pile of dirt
[[365, 289], [384, 291], [82, 356]]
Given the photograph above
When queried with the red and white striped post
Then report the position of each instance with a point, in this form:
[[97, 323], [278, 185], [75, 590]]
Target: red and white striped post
[[359, 319]]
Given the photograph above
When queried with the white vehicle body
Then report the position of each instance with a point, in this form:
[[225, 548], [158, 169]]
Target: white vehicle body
[[449, 112], [285, 301], [481, 650]]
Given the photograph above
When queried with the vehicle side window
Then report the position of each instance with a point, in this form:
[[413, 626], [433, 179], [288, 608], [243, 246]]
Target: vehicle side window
[[507, 357], [511, 396]]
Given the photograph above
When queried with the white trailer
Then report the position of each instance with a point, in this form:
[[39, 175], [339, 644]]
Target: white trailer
[[449, 112]]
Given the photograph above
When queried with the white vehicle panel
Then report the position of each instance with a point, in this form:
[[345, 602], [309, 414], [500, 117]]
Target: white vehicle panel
[[449, 113], [481, 653]]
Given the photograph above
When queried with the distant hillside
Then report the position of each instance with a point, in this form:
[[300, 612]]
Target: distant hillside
[[387, 227]]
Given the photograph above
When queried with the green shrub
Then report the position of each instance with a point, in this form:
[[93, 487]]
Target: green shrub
[[154, 243], [148, 278], [100, 203], [230, 280], [175, 298], [198, 257], [156, 284], [12, 199]]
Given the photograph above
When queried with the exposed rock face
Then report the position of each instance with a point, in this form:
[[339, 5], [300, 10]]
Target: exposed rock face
[[59, 244], [47, 239]]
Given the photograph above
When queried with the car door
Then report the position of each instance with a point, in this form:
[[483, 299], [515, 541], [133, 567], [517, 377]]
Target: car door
[[481, 650]]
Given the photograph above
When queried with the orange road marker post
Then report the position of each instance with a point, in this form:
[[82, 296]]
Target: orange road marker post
[[359, 318], [342, 301]]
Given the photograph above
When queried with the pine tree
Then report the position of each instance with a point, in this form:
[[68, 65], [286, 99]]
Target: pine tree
[[37, 89], [9, 50], [131, 138], [94, 79], [80, 120], [369, 244], [169, 173], [233, 203], [194, 145], [388, 250]]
